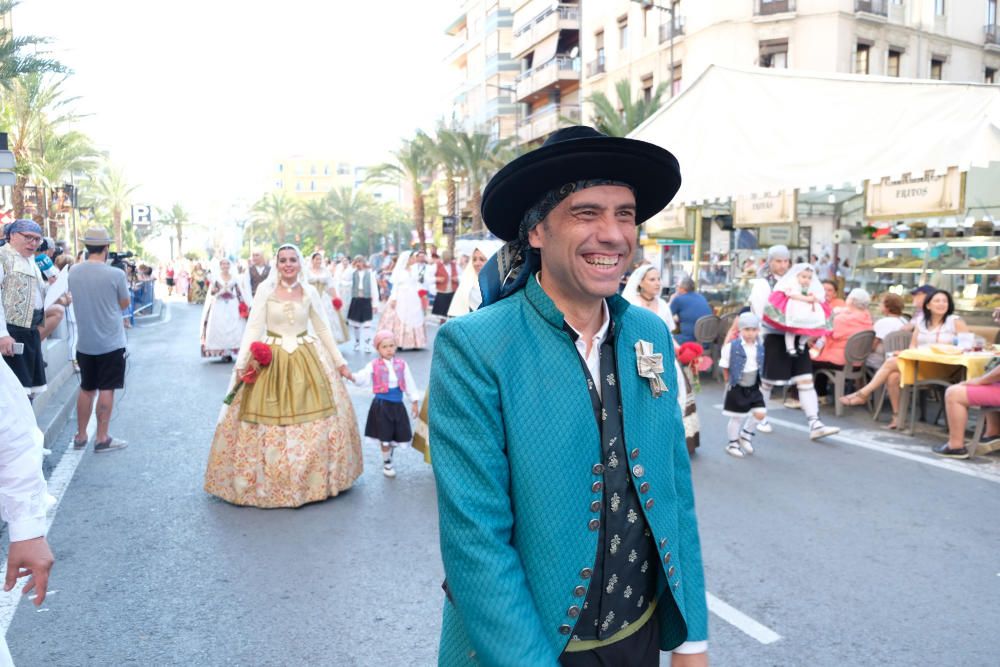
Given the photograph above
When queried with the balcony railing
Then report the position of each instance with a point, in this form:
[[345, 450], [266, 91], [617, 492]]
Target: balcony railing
[[877, 7], [556, 17], [673, 29], [566, 13], [560, 68], [768, 7], [547, 120], [993, 34], [595, 67]]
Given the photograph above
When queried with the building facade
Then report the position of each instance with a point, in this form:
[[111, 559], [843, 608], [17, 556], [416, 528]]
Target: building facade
[[307, 178], [485, 70], [674, 41]]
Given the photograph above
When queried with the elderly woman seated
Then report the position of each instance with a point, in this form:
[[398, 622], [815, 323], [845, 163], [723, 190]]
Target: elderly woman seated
[[938, 325], [854, 317]]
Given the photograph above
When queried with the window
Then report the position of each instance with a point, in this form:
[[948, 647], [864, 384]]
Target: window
[[623, 32], [280, 185], [599, 43], [281, 168], [861, 59], [326, 170], [298, 186], [937, 68], [645, 20], [675, 86], [343, 169], [991, 75], [312, 186], [991, 12], [774, 54], [892, 63], [647, 88], [312, 170], [939, 7]]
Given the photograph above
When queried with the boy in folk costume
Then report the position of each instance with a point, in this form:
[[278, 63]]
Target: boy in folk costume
[[364, 290], [391, 380], [742, 360]]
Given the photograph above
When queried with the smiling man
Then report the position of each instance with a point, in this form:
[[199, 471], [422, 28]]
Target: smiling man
[[567, 520]]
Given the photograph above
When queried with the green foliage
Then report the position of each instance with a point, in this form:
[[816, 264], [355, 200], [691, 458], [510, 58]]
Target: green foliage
[[271, 216], [19, 56], [609, 120]]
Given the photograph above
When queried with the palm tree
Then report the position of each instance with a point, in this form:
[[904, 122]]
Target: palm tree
[[480, 156], [349, 208], [15, 61], [32, 105], [276, 210], [61, 154], [445, 154], [612, 122], [315, 216], [177, 218], [414, 165], [112, 192]]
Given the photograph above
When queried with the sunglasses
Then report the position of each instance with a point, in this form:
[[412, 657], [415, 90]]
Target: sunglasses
[[31, 237]]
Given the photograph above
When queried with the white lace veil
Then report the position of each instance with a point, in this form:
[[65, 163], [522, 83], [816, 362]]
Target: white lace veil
[[790, 281]]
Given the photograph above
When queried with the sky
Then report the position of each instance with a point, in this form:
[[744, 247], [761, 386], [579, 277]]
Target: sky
[[198, 100]]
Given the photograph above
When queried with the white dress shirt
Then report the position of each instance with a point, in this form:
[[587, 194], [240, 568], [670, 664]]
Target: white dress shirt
[[363, 378], [24, 497]]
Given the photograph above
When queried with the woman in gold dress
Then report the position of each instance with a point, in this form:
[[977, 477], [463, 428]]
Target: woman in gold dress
[[291, 437], [198, 290]]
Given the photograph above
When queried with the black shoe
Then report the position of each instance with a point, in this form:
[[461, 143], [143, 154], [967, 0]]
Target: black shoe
[[990, 440], [109, 445], [945, 450]]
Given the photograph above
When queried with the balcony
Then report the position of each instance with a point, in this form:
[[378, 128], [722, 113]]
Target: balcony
[[672, 30], [875, 8], [545, 121], [555, 18], [772, 7], [595, 67], [992, 37], [547, 76], [461, 44]]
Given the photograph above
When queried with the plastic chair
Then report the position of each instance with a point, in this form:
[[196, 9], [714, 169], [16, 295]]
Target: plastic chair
[[858, 347], [706, 330], [897, 341]]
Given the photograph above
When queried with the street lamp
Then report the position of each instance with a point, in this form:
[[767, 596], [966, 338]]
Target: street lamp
[[647, 4]]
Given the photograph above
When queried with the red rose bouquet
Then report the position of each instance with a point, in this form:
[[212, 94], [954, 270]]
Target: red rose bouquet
[[691, 356], [244, 310], [337, 304], [260, 357]]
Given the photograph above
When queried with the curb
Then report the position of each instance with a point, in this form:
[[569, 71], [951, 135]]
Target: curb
[[155, 315]]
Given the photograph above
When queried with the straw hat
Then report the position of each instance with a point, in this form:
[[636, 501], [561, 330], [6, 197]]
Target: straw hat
[[97, 236]]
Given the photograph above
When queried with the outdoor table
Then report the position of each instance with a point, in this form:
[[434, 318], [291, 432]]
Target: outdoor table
[[926, 364]]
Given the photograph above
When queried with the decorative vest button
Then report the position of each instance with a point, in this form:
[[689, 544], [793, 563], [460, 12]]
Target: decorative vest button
[[663, 542], [594, 524], [597, 469], [666, 558], [579, 591], [586, 573], [564, 629], [595, 506], [573, 611], [638, 470], [644, 487], [649, 504], [596, 486], [671, 571], [635, 453]]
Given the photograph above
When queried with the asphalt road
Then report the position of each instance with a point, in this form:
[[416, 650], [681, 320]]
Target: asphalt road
[[861, 550]]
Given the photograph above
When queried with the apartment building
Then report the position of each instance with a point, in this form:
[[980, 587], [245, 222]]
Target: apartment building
[[309, 178], [674, 41], [546, 45], [485, 70]]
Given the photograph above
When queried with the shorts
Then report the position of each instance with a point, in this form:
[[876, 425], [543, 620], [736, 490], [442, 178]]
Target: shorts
[[983, 395], [780, 368], [104, 372]]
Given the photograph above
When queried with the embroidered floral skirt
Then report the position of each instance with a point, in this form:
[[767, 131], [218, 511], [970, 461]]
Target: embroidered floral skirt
[[269, 465], [408, 337]]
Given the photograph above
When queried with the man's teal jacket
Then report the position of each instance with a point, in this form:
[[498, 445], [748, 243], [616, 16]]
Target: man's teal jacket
[[515, 443]]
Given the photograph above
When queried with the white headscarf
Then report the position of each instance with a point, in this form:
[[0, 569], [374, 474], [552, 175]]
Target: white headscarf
[[266, 288], [790, 281], [460, 304], [400, 272], [631, 294]]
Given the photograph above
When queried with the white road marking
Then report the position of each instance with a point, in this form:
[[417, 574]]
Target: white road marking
[[741, 621], [899, 451], [58, 483]]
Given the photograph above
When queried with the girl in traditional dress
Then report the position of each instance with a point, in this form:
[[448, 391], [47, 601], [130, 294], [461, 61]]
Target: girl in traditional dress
[[797, 306], [390, 380], [183, 283], [742, 360], [364, 295], [343, 276], [643, 290], [222, 319], [198, 289], [319, 277], [291, 437], [404, 314]]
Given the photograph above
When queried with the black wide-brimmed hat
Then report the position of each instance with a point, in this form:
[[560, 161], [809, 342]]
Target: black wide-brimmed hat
[[574, 154]]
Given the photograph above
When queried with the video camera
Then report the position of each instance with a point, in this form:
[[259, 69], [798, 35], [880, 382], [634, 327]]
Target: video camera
[[119, 260]]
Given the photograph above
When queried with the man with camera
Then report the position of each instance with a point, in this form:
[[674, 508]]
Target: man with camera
[[100, 293]]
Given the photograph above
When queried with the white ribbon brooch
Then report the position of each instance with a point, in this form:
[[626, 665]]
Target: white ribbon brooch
[[650, 366]]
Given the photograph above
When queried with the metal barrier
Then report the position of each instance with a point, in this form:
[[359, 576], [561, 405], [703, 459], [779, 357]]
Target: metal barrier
[[142, 299]]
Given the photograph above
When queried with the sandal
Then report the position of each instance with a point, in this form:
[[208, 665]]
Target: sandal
[[893, 424], [859, 397]]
